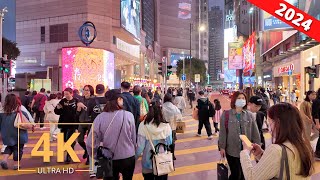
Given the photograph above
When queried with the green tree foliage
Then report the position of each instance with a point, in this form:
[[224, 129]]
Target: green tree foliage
[[197, 67], [10, 48]]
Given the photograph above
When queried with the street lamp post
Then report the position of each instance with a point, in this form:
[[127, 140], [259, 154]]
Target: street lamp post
[[191, 25]]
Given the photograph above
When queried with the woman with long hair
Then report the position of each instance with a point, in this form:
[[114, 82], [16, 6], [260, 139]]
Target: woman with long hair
[[83, 129], [160, 132], [171, 114], [306, 112], [9, 133], [51, 116], [234, 122], [114, 129], [289, 142]]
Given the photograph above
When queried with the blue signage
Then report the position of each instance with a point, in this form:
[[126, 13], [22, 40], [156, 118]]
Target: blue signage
[[87, 33], [183, 77], [290, 72]]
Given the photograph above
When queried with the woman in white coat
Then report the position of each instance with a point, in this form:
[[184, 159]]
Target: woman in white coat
[[51, 116]]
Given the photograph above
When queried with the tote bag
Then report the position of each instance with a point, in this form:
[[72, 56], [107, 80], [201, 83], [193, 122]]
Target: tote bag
[[195, 114], [222, 170], [162, 163], [22, 122]]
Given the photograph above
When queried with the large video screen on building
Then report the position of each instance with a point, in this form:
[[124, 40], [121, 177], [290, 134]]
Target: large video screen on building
[[130, 16], [87, 66], [270, 22]]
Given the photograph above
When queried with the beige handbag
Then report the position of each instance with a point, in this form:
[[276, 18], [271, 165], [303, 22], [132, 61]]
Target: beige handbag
[[22, 122], [162, 163]]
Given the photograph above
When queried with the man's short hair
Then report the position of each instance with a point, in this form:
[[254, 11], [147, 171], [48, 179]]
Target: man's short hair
[[125, 85], [42, 90], [136, 90]]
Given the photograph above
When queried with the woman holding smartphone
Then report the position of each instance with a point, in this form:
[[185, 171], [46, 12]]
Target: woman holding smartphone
[[234, 122], [289, 144]]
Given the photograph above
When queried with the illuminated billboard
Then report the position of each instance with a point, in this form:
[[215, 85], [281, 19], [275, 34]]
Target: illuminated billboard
[[249, 53], [235, 56], [82, 66], [270, 22], [184, 10], [130, 16], [229, 76]]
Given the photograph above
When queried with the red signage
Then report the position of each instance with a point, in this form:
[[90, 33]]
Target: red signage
[[291, 15], [286, 69]]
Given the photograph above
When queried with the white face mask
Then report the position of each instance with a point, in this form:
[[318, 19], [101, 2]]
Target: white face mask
[[240, 103]]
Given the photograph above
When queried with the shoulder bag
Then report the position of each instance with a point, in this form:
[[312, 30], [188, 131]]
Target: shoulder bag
[[105, 164], [162, 163], [21, 121]]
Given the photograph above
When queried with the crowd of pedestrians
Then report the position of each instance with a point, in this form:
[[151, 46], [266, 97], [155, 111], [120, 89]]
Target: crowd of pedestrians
[[121, 118], [131, 121]]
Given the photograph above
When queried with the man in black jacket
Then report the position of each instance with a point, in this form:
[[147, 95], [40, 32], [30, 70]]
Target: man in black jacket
[[130, 103], [254, 105]]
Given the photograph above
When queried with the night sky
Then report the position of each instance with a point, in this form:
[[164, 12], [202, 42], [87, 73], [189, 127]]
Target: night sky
[[9, 24]]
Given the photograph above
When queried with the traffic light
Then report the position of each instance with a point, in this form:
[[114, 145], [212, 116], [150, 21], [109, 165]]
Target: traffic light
[[160, 65], [313, 71], [5, 65], [169, 72]]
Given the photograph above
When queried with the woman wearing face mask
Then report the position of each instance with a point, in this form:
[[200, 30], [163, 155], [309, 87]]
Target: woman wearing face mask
[[306, 111], [289, 143], [115, 129], [234, 122]]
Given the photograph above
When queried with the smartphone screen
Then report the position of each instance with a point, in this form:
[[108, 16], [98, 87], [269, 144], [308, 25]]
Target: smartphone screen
[[245, 139]]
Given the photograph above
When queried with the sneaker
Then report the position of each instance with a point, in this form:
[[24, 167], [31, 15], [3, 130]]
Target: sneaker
[[198, 135], [16, 167], [4, 165], [43, 128], [3, 148], [210, 137], [92, 175]]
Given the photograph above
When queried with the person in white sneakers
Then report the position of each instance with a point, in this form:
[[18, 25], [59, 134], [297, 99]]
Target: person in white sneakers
[[51, 116]]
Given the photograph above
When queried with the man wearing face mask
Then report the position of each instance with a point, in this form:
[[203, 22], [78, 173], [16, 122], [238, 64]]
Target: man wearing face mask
[[234, 122], [254, 106]]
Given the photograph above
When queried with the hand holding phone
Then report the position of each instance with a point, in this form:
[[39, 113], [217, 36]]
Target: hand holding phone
[[246, 142]]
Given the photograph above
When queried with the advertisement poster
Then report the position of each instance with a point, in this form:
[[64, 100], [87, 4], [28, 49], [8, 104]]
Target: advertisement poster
[[184, 10], [228, 75], [230, 35], [82, 66], [249, 53], [235, 55], [130, 16], [270, 22]]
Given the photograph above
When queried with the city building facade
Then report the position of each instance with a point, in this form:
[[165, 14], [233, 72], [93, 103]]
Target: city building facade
[[44, 28], [216, 50]]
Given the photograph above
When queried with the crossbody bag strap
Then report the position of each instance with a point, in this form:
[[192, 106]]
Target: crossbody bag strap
[[149, 138], [115, 147], [284, 162]]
